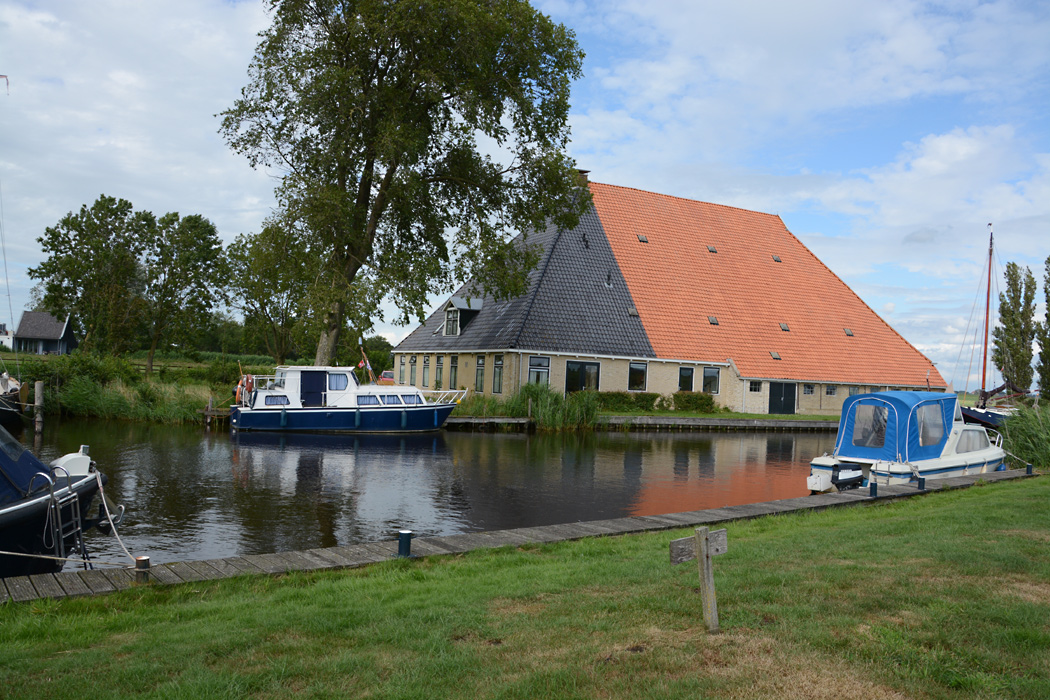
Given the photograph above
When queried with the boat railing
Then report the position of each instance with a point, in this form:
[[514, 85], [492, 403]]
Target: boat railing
[[997, 440], [444, 395], [256, 382]]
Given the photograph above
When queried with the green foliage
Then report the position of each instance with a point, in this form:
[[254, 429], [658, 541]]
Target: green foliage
[[1043, 337], [694, 402], [375, 112], [627, 401], [1027, 435], [56, 371], [1012, 351]]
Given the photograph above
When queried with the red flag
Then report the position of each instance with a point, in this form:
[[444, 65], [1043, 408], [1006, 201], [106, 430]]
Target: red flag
[[360, 364]]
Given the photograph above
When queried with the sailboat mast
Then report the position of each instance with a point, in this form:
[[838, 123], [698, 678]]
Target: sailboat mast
[[987, 307]]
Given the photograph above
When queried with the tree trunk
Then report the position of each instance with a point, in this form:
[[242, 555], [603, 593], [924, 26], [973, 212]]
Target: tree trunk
[[149, 357], [329, 340]]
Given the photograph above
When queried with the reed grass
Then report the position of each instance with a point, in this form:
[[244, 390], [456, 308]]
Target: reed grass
[[1027, 435]]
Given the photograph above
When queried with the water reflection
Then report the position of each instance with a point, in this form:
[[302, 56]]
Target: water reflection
[[191, 494]]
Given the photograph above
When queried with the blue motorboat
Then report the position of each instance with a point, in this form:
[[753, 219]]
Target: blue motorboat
[[331, 399], [897, 437]]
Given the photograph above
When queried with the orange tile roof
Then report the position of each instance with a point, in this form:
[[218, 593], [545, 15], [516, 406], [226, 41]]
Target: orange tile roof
[[676, 283]]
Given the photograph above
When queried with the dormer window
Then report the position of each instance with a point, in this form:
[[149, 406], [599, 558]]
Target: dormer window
[[452, 322]]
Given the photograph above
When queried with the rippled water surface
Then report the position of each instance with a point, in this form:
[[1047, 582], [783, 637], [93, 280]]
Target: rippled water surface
[[192, 494]]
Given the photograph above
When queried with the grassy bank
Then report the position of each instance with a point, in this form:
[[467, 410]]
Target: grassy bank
[[944, 596]]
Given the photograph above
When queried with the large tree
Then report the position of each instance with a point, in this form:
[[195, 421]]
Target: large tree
[[1043, 338], [185, 271], [92, 272], [382, 115], [1012, 351]]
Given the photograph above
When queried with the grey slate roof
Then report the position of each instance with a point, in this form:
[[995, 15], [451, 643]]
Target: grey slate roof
[[40, 325], [577, 301]]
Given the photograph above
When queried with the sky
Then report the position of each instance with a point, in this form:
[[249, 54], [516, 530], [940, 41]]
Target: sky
[[887, 135]]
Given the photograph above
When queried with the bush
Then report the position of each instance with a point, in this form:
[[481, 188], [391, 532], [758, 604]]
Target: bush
[[627, 401], [694, 402]]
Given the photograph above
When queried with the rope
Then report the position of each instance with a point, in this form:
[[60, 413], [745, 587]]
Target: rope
[[109, 517]]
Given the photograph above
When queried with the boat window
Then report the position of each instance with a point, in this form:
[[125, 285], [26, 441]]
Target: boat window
[[278, 380], [277, 401], [931, 424], [367, 400], [411, 398], [869, 426], [337, 382], [391, 399], [11, 447], [972, 441]]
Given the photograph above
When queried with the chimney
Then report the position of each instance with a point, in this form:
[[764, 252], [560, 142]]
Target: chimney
[[582, 177]]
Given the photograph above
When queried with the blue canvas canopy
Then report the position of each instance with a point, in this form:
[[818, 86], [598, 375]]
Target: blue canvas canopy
[[899, 426], [17, 467]]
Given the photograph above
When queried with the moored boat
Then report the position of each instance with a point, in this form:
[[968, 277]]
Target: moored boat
[[42, 507], [897, 437], [330, 399]]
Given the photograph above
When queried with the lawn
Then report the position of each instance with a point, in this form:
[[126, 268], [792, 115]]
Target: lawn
[[942, 596]]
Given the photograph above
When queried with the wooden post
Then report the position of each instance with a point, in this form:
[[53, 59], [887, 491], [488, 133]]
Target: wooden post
[[38, 406], [703, 545]]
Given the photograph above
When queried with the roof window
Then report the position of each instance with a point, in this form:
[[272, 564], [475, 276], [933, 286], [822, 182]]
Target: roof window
[[774, 354], [642, 239], [776, 258], [784, 327], [713, 320], [711, 249], [631, 311], [848, 332]]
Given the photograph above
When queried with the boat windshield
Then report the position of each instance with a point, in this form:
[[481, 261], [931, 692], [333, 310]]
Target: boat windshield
[[278, 380], [11, 447]]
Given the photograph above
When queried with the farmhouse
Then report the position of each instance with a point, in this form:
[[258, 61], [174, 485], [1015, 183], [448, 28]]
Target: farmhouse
[[662, 294]]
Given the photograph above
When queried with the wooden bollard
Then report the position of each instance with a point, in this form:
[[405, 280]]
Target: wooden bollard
[[38, 406], [141, 569], [702, 546]]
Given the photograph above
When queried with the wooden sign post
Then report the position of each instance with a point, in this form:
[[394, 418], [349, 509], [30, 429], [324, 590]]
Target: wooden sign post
[[702, 546]]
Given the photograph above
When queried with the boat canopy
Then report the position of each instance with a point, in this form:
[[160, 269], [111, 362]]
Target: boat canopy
[[901, 426], [17, 467]]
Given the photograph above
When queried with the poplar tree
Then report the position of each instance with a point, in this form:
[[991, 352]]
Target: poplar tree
[[1012, 351], [1043, 337]]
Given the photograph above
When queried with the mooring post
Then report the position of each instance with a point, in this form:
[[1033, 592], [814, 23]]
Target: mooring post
[[404, 543], [1028, 469], [38, 406], [141, 569], [873, 490], [922, 483]]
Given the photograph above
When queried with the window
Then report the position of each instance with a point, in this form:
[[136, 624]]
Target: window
[[412, 370], [685, 379], [426, 370], [848, 332], [931, 424], [809, 389], [830, 390], [710, 380], [754, 387], [401, 372], [869, 426], [713, 320], [784, 327], [414, 399], [453, 362], [774, 354], [391, 399], [277, 401], [969, 441], [539, 370], [438, 371], [497, 374], [854, 390], [337, 382], [367, 400], [711, 249], [642, 239], [776, 258], [452, 322], [582, 375], [636, 376], [479, 375]]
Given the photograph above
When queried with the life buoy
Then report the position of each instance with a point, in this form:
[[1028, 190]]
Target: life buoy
[[249, 384], [237, 392]]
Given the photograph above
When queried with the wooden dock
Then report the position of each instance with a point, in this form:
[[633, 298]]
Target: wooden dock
[[79, 583]]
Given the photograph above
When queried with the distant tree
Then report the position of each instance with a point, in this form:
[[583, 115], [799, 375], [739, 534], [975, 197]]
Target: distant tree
[[378, 350], [1043, 338], [1012, 350], [185, 272], [271, 274], [381, 116], [92, 272]]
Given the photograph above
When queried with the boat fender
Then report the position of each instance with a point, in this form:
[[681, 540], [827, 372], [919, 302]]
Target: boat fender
[[249, 384]]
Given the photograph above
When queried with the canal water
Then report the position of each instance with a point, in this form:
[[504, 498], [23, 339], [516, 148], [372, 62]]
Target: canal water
[[191, 494]]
